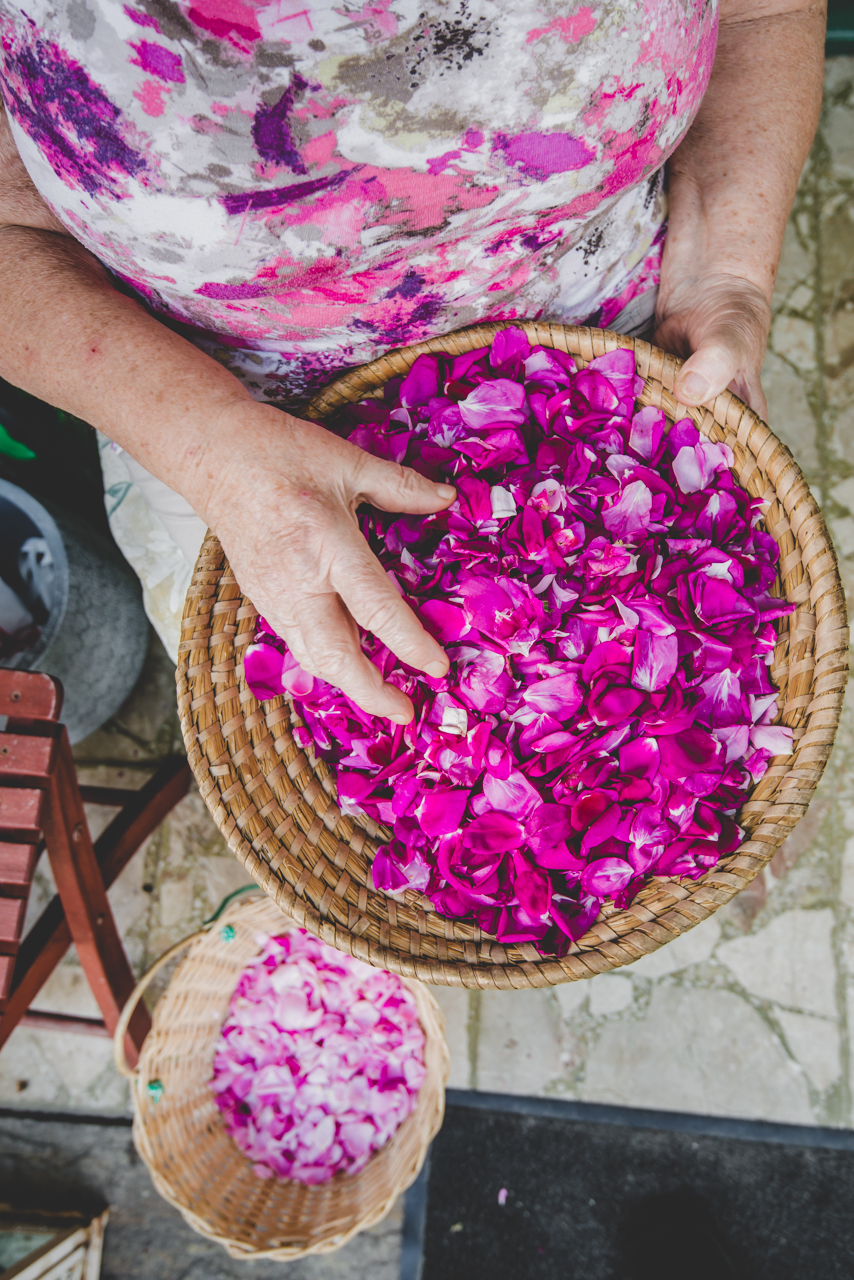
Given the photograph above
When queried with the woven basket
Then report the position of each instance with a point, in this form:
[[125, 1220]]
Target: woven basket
[[275, 803], [179, 1131]]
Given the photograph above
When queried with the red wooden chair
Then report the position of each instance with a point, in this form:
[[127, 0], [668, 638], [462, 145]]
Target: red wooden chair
[[41, 807]]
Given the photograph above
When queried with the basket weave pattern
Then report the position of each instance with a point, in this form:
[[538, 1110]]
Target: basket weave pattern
[[276, 803], [198, 1167]]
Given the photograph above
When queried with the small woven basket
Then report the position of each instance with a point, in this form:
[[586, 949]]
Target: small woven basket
[[276, 804], [180, 1134]]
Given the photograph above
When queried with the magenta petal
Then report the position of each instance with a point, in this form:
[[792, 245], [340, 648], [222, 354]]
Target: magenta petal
[[736, 740], [717, 516], [508, 346], [647, 429], [602, 829], [558, 696], [615, 364], [550, 825], [482, 601], [533, 888], [354, 787], [686, 753], [776, 738], [560, 857], [263, 666], [630, 515], [513, 795], [597, 390], [446, 622], [606, 876], [716, 601], [574, 918], [688, 472], [494, 833], [640, 757], [491, 403], [683, 434], [474, 497], [386, 874], [441, 811], [724, 703], [655, 659], [421, 384]]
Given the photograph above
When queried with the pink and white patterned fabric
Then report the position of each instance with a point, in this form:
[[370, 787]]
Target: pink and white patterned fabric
[[299, 185]]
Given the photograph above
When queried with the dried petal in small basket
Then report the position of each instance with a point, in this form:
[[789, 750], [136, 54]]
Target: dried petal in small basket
[[179, 1130]]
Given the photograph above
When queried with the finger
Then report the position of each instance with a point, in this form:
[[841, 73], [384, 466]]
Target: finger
[[376, 605], [712, 369], [325, 642], [391, 487], [707, 373]]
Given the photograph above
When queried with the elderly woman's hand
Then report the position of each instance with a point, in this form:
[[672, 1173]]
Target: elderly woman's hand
[[721, 323], [282, 494], [732, 181]]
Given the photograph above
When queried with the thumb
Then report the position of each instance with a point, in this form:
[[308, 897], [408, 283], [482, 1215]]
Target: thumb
[[707, 373], [391, 487]]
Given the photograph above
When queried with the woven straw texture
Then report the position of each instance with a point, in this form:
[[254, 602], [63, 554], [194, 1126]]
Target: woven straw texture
[[276, 804], [181, 1137]]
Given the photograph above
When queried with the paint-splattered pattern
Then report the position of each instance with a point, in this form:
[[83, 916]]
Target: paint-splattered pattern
[[300, 185]]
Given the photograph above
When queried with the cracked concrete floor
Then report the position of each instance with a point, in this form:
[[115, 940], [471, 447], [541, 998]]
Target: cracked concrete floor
[[750, 1014]]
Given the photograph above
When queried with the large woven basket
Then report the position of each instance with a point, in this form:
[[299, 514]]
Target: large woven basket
[[275, 803], [178, 1128]]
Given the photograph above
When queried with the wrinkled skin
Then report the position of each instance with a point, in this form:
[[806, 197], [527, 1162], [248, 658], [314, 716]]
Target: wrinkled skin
[[313, 575], [725, 321]]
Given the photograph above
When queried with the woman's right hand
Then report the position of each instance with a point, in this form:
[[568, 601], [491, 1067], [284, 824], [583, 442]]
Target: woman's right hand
[[281, 494]]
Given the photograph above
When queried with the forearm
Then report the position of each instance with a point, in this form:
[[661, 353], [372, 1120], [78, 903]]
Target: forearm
[[733, 178], [70, 338]]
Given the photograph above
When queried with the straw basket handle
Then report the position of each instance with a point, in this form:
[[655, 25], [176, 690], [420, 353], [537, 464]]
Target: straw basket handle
[[147, 978], [134, 999]]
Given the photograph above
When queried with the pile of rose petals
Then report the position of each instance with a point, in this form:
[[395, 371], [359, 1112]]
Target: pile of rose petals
[[319, 1061], [604, 593]]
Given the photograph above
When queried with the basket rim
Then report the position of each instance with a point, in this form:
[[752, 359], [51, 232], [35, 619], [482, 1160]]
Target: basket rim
[[262, 914], [669, 907]]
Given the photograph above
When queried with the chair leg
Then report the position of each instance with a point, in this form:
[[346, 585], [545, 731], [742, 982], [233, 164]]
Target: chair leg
[[84, 899]]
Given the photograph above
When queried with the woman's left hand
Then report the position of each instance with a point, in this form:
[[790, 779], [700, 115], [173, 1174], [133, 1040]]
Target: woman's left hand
[[732, 181], [720, 322]]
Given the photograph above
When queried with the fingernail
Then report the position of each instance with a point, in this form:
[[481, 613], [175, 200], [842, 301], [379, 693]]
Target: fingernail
[[446, 491], [436, 669], [695, 385], [400, 719]]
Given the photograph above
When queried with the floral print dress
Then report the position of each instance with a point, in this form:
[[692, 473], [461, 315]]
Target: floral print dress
[[299, 185], [302, 184]]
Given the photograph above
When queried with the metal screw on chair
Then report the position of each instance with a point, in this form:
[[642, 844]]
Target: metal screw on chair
[[77, 833]]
